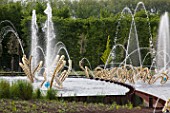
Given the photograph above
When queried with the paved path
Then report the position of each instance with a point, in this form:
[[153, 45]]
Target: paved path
[[87, 87], [157, 89]]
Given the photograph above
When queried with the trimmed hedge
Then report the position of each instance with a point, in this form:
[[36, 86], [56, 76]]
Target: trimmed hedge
[[82, 37], [88, 37]]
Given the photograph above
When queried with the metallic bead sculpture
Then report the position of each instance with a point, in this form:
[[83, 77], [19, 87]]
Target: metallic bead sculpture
[[26, 66], [166, 108], [60, 63], [58, 76], [126, 73]]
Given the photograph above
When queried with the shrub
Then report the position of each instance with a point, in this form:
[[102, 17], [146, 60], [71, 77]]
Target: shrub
[[129, 105], [51, 94], [37, 94], [4, 89], [21, 90]]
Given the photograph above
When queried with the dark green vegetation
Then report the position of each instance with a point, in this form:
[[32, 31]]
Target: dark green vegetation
[[83, 27], [17, 90], [51, 94], [54, 106], [37, 94], [23, 89], [4, 89]]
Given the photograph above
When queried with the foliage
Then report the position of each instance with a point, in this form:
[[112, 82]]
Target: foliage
[[106, 53], [21, 90], [62, 12], [37, 94], [129, 105], [114, 105], [4, 89], [86, 8], [53, 106], [95, 22], [51, 94], [95, 32]]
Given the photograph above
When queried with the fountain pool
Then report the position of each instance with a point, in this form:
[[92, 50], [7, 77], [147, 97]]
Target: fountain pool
[[79, 87]]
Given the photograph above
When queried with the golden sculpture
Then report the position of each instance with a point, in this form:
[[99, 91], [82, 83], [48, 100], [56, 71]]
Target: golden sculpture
[[60, 63], [56, 76], [86, 70], [166, 108], [98, 72], [26, 66], [151, 76], [126, 73]]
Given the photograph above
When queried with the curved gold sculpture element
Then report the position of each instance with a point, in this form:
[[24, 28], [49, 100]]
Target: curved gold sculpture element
[[142, 73], [126, 73], [163, 76], [166, 108], [26, 66], [59, 65], [58, 75], [98, 72], [85, 69]]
